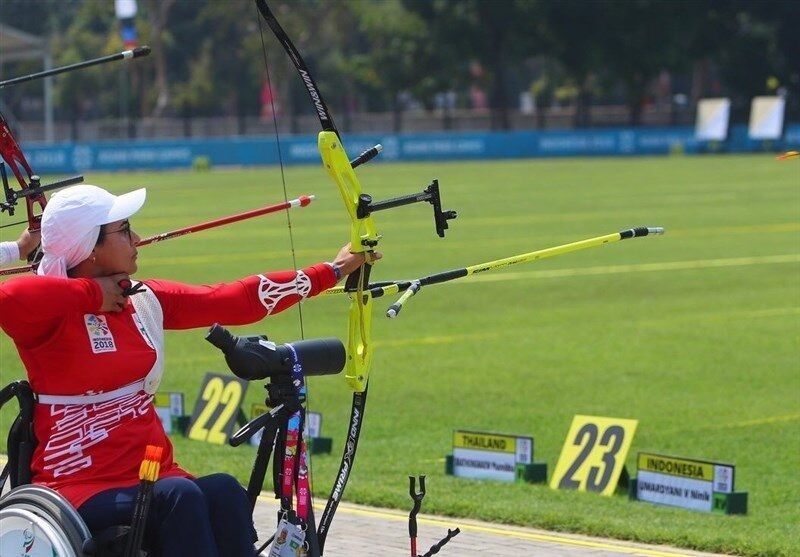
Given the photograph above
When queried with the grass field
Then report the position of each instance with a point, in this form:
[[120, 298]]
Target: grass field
[[695, 334]]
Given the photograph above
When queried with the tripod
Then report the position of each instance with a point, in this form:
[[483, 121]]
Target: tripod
[[285, 402]]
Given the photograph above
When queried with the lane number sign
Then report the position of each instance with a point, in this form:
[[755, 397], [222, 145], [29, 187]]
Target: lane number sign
[[593, 454], [217, 407]]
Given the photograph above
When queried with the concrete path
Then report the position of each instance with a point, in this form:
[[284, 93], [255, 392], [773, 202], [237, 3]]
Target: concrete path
[[367, 531]]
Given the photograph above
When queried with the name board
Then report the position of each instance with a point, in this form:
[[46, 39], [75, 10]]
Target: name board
[[490, 456], [169, 407], [682, 482], [312, 429]]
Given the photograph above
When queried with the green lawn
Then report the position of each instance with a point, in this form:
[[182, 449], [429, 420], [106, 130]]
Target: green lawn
[[695, 334]]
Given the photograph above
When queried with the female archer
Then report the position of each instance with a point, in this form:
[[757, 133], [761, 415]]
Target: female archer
[[94, 355]]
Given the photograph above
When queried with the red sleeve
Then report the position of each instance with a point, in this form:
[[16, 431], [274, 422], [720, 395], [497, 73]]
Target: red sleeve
[[28, 303], [245, 301]]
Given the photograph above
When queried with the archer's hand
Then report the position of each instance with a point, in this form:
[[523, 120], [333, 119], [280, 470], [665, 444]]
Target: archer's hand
[[113, 300], [27, 242], [348, 262]]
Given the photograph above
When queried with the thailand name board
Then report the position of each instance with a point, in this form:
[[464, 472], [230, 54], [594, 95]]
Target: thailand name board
[[682, 482], [490, 456]]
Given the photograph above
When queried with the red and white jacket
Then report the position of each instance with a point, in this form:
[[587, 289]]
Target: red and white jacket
[[69, 347]]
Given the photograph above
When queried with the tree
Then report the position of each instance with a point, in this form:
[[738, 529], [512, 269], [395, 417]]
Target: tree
[[572, 34], [158, 19], [396, 58], [640, 38], [499, 35]]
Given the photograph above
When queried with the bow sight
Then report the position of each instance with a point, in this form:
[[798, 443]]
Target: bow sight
[[31, 190], [366, 206]]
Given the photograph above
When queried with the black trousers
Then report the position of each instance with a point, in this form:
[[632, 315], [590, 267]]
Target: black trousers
[[205, 517]]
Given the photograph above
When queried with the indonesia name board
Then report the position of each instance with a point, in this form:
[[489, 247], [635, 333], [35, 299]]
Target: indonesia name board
[[682, 482], [489, 455]]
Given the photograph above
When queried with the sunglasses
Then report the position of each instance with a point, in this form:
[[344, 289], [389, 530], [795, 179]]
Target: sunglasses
[[125, 229]]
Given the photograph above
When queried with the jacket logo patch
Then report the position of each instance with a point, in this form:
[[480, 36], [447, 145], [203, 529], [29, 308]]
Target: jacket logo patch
[[99, 334]]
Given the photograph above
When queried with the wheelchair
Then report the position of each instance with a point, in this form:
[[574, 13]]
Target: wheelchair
[[35, 521]]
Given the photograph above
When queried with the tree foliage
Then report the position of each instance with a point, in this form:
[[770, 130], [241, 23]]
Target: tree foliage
[[371, 55]]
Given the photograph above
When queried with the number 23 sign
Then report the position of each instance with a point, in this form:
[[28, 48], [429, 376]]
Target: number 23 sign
[[593, 454]]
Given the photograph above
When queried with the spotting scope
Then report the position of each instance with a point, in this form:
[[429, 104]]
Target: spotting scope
[[256, 357]]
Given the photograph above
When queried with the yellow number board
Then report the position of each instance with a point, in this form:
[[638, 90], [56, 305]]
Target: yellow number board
[[594, 454], [217, 408]]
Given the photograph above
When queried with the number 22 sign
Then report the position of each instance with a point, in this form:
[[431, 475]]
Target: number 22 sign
[[593, 454], [217, 407]]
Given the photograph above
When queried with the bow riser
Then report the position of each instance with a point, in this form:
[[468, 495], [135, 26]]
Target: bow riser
[[359, 342], [34, 218], [12, 154], [363, 238]]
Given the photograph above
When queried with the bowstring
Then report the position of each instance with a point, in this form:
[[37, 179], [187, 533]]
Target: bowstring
[[280, 161], [14, 224], [291, 234]]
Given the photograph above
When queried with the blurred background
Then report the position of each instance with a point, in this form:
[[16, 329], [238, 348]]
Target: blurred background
[[392, 66]]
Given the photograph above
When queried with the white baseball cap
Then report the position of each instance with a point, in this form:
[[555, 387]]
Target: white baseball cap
[[71, 223]]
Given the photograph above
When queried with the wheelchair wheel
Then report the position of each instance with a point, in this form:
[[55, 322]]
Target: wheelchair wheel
[[35, 521]]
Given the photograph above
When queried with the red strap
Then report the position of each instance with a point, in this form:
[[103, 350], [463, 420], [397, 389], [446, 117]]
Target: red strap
[[295, 469]]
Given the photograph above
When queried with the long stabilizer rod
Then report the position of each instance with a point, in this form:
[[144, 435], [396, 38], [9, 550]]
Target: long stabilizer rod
[[410, 287], [124, 55]]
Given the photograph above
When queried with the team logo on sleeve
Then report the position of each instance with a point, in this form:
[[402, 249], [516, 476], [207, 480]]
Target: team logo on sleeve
[[271, 293], [99, 334]]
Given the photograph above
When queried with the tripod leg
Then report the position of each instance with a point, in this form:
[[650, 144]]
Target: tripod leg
[[259, 471]]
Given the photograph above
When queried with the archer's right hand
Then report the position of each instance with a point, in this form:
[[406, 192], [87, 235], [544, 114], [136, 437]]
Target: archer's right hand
[[113, 300]]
